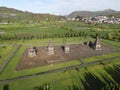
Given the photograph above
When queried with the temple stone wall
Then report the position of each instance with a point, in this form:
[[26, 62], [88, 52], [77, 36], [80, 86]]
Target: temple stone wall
[[66, 49], [50, 48], [97, 44], [31, 51]]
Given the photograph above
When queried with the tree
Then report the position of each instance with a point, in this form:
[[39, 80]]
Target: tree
[[110, 36]]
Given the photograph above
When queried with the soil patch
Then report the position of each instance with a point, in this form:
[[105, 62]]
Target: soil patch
[[77, 51]]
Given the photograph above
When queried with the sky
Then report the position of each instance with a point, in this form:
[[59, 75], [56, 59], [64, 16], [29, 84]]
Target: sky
[[61, 7]]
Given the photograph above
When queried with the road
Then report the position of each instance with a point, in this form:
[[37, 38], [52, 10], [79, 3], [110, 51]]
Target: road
[[60, 69]]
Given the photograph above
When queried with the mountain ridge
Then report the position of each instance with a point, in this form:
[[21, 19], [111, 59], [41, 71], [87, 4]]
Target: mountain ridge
[[13, 15], [11, 10], [92, 13]]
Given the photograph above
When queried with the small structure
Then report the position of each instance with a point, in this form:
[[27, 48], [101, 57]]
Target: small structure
[[87, 43], [97, 44], [66, 49], [32, 51], [50, 48]]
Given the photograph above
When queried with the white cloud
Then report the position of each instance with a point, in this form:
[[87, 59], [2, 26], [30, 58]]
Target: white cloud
[[68, 6], [61, 6]]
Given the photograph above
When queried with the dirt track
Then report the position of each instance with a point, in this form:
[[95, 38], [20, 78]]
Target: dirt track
[[77, 51]]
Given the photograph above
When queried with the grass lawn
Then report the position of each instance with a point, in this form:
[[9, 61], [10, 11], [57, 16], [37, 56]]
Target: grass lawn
[[115, 44], [96, 58], [5, 52], [51, 27], [89, 78], [44, 42], [69, 79], [61, 80], [11, 67]]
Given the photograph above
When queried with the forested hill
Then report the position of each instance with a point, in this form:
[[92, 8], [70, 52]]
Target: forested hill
[[11, 10], [17, 16], [92, 14], [116, 15]]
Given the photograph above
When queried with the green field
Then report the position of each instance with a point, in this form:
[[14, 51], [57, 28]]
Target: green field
[[5, 52], [72, 79], [62, 80], [96, 77], [51, 28]]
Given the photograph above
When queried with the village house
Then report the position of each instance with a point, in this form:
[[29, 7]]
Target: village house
[[101, 19]]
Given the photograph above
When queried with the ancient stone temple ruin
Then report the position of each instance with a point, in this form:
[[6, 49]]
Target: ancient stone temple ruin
[[66, 49], [50, 48], [32, 51], [97, 44]]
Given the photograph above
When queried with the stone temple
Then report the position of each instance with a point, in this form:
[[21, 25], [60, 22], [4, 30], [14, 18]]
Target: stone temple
[[39, 56], [50, 48], [66, 49], [32, 51], [97, 44]]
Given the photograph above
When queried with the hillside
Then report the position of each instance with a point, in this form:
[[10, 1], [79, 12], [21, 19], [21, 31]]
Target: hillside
[[116, 15], [17, 16], [10, 10], [92, 14], [11, 15]]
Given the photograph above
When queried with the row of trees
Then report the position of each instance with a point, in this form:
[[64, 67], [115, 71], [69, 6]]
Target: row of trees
[[114, 35], [28, 36], [110, 36]]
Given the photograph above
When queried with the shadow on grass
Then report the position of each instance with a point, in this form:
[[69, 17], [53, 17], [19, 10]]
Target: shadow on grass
[[75, 87], [107, 79], [110, 84], [92, 82], [6, 87], [114, 72]]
